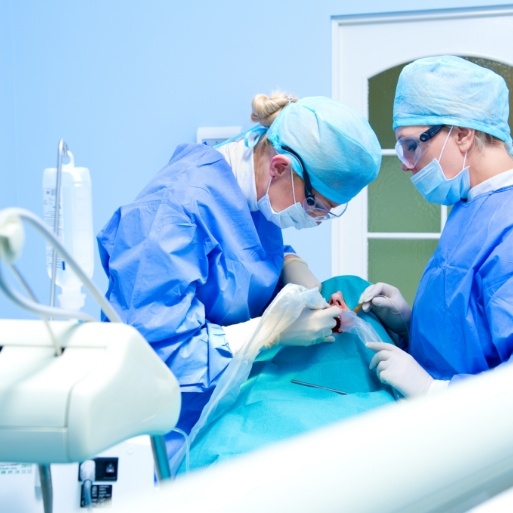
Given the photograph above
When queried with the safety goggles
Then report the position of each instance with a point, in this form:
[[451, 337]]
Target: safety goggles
[[410, 150], [311, 205]]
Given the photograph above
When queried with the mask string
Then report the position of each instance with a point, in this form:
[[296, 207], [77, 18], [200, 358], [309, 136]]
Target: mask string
[[269, 186], [445, 144], [293, 190]]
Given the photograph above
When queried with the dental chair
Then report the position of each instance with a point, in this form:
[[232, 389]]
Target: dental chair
[[70, 389], [106, 386]]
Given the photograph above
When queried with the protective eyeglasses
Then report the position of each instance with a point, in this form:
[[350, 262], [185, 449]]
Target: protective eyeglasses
[[311, 205], [409, 149]]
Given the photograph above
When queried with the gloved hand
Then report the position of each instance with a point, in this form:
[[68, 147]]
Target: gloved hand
[[295, 270], [311, 327], [398, 369], [237, 335], [389, 306]]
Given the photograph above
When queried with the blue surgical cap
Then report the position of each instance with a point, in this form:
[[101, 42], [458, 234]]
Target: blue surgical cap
[[339, 149], [449, 90]]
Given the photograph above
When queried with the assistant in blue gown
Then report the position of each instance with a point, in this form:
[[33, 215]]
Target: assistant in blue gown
[[451, 120], [462, 317]]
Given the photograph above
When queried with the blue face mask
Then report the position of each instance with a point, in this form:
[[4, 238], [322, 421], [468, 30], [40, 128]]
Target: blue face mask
[[431, 182], [294, 215]]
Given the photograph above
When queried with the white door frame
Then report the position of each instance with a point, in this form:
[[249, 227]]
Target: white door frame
[[363, 46]]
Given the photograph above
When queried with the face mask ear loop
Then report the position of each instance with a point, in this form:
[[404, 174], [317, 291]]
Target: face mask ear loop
[[445, 144], [293, 190], [269, 184], [267, 193]]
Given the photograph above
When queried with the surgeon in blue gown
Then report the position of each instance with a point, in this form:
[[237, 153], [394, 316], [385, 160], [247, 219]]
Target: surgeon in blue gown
[[451, 124], [196, 258]]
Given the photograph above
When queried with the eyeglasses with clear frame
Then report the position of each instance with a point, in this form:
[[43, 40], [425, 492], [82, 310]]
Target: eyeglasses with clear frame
[[409, 149], [313, 206]]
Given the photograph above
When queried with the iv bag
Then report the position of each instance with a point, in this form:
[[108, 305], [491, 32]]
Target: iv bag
[[75, 228]]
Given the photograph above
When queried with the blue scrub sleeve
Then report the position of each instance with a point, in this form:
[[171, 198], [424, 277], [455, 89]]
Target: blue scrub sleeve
[[158, 258], [499, 312]]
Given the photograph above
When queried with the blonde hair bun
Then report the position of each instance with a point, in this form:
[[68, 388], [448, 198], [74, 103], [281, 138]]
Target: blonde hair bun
[[266, 108]]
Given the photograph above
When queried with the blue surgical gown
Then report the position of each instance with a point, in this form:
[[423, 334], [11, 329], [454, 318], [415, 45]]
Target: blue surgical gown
[[462, 317], [185, 258]]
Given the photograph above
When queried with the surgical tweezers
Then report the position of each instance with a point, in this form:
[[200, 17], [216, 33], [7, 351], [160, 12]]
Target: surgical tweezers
[[313, 385]]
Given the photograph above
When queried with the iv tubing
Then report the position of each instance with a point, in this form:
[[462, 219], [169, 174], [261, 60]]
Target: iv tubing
[[187, 448], [58, 350], [63, 149], [107, 308]]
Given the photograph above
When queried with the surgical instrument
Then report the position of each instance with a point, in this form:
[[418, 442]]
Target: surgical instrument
[[357, 308], [313, 385]]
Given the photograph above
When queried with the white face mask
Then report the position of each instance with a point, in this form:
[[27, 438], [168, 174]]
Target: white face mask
[[294, 215], [431, 182]]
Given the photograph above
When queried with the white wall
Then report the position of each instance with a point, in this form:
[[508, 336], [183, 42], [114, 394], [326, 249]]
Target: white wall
[[123, 82]]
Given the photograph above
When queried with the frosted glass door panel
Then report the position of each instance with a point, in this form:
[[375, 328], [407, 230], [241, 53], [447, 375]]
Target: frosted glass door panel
[[400, 263], [396, 206]]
